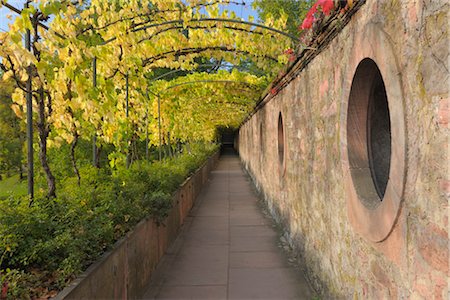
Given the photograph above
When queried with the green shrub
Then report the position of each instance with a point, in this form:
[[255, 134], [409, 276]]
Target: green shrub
[[48, 244], [159, 204]]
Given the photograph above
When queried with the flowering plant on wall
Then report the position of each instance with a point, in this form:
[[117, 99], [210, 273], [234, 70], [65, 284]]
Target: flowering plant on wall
[[322, 9], [324, 6], [316, 17], [319, 12], [314, 30]]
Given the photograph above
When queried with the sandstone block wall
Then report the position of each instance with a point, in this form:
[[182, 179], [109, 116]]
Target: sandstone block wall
[[311, 192]]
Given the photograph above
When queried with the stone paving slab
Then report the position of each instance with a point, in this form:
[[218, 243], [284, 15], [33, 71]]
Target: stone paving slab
[[270, 283], [256, 259], [227, 248], [194, 292]]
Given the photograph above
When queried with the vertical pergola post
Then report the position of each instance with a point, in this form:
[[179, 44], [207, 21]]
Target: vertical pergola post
[[94, 139], [146, 128], [146, 134], [29, 100], [159, 127], [126, 96], [128, 160]]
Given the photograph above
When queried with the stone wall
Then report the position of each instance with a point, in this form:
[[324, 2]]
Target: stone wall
[[400, 247]]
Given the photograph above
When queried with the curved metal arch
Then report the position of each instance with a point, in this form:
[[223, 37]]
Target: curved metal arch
[[198, 81], [12, 8], [191, 71], [186, 51], [224, 20], [180, 21], [180, 27], [193, 6], [206, 81], [158, 96]]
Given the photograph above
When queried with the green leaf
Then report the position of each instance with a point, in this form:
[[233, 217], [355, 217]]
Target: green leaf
[[51, 8]]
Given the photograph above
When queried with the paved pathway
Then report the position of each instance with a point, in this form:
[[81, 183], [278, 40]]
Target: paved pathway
[[227, 248]]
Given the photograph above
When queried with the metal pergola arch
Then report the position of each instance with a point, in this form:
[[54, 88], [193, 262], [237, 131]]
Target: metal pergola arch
[[94, 65], [158, 96]]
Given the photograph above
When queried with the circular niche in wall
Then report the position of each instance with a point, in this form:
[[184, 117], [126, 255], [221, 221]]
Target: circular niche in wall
[[261, 139], [369, 134], [373, 148], [280, 139]]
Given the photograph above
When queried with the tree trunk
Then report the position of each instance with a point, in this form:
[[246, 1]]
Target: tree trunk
[[44, 111], [179, 146], [97, 156], [72, 157], [188, 147], [164, 147], [134, 145], [21, 172], [169, 144], [22, 140], [129, 154], [43, 131]]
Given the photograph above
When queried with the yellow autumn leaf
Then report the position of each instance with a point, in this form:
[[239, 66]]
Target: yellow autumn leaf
[[17, 110]]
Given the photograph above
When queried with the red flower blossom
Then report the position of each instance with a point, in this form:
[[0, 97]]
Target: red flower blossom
[[309, 19], [327, 6], [273, 91], [307, 22], [291, 54], [312, 10], [4, 293]]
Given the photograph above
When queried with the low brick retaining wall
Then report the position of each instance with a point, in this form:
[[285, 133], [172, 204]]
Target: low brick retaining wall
[[125, 271]]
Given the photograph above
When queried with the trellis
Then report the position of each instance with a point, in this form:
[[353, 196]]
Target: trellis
[[179, 24]]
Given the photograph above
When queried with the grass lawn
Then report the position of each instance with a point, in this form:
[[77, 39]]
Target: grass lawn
[[12, 186]]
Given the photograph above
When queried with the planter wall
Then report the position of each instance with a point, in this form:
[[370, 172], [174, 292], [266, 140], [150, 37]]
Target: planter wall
[[125, 271]]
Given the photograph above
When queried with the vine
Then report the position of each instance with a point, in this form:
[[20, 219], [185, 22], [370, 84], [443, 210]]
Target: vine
[[134, 40]]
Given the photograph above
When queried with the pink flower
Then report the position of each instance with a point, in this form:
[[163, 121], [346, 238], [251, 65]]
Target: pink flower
[[312, 10], [327, 6], [307, 22], [4, 293], [309, 19]]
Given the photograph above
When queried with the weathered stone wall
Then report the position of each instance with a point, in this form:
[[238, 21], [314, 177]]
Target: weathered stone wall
[[311, 194]]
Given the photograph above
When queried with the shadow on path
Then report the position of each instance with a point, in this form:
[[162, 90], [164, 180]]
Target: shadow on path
[[227, 248]]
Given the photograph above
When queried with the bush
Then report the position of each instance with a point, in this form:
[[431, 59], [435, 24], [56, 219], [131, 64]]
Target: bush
[[44, 246]]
